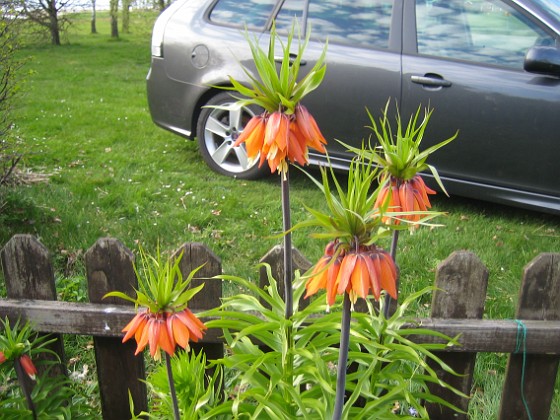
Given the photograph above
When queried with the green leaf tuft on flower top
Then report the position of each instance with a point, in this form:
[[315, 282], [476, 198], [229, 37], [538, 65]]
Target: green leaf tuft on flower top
[[351, 216], [399, 152], [279, 90], [161, 284]]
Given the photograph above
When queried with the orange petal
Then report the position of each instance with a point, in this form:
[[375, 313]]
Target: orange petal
[[142, 341], [388, 274], [346, 269], [318, 277], [165, 341], [169, 327], [296, 146], [360, 277], [381, 197], [374, 270], [254, 127], [194, 325], [334, 269], [181, 333], [28, 366], [154, 332], [134, 325], [309, 128], [255, 140], [406, 197]]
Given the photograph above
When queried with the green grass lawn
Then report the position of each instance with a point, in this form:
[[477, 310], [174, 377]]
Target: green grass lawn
[[83, 116]]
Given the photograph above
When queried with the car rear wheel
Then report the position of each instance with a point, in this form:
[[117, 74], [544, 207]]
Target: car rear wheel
[[219, 125]]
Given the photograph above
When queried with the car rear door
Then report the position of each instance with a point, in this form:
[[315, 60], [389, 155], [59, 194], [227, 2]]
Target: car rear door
[[363, 62], [465, 59]]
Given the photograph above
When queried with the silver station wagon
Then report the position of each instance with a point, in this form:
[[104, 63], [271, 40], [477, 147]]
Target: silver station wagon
[[489, 68]]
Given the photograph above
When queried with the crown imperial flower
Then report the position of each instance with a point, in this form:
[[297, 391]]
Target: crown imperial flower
[[285, 131], [164, 322], [355, 272]]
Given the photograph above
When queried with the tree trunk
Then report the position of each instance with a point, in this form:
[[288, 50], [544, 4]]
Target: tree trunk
[[93, 18], [53, 24], [126, 16], [114, 6]]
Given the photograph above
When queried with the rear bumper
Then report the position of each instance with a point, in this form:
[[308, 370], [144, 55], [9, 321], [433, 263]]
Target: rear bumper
[[172, 103]]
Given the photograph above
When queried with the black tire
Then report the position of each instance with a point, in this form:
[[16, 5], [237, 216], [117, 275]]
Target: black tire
[[216, 131]]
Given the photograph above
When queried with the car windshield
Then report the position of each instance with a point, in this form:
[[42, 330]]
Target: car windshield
[[551, 6]]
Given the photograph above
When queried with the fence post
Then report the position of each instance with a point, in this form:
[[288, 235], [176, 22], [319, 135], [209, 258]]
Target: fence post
[[195, 255], [110, 267], [275, 258], [530, 378], [461, 282], [29, 275]]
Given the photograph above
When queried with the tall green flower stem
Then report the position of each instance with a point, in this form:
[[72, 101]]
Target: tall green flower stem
[[172, 390], [288, 267], [342, 358], [393, 253]]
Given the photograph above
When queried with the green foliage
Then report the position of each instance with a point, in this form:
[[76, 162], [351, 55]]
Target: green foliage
[[273, 90], [10, 78], [284, 369], [54, 397], [197, 392], [400, 150]]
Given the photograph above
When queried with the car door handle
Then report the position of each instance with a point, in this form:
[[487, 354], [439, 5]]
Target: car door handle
[[279, 58], [431, 80]]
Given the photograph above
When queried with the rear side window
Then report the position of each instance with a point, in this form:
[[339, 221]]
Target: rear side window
[[357, 23], [361, 23], [247, 13]]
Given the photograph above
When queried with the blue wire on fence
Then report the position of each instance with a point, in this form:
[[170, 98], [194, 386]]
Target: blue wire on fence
[[521, 346]]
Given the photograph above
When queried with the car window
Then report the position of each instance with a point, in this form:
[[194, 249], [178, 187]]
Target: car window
[[291, 9], [247, 13], [359, 23], [485, 31]]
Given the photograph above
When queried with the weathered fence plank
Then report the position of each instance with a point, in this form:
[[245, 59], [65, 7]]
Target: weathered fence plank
[[195, 255], [461, 283], [29, 275], [529, 384], [275, 258], [110, 267]]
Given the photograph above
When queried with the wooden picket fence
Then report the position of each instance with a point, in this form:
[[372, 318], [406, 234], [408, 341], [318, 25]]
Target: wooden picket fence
[[532, 339]]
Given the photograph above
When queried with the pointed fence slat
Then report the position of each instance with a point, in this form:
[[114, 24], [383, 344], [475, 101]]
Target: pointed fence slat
[[197, 256], [275, 259], [29, 275], [530, 379], [461, 283], [110, 267]]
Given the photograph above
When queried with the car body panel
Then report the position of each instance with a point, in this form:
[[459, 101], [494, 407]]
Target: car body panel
[[508, 146]]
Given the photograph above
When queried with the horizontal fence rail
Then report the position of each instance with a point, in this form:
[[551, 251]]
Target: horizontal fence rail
[[478, 335]]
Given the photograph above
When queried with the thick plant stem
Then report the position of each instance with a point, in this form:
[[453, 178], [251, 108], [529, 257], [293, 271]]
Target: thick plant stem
[[393, 253], [25, 387], [288, 293], [172, 390], [342, 358]]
